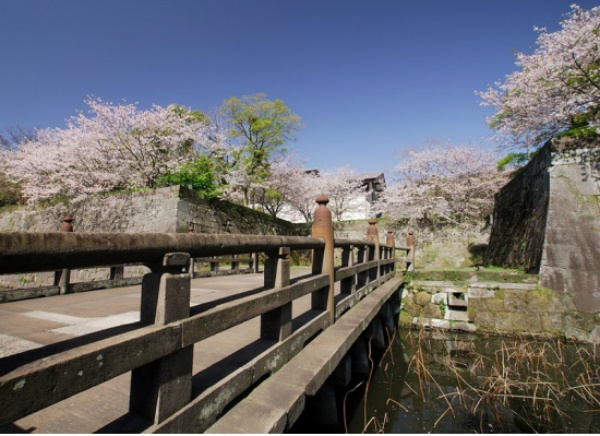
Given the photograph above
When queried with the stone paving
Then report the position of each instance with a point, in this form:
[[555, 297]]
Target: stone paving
[[30, 324]]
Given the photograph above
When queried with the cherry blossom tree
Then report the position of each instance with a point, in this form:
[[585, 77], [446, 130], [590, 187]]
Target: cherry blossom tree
[[118, 146], [343, 187], [301, 190], [290, 188], [556, 89], [456, 183]]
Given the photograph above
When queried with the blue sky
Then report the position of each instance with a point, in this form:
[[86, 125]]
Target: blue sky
[[368, 78]]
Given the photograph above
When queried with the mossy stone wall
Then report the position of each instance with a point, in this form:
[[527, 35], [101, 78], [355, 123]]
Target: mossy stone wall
[[164, 210], [547, 220]]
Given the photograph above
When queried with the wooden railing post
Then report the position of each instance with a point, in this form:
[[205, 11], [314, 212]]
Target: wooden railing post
[[323, 262], [361, 278], [235, 266], [62, 278], [192, 262], [277, 324], [391, 243], [160, 388], [214, 266], [348, 285], [373, 236], [410, 256], [116, 272], [255, 264]]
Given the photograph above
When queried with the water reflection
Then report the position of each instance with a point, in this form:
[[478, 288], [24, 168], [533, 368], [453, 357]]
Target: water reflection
[[463, 383]]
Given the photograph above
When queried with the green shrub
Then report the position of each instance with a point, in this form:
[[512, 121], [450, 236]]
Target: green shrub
[[10, 192]]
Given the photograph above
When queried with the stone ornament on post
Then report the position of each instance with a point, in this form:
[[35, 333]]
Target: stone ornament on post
[[389, 239], [66, 225], [372, 234], [323, 262]]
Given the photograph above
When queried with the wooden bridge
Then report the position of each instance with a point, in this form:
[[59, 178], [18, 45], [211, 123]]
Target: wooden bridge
[[228, 354]]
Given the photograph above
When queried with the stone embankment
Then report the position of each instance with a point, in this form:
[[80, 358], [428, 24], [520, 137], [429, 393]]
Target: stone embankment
[[547, 220], [494, 303]]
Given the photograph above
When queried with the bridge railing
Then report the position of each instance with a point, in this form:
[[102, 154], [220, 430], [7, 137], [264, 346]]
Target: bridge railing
[[158, 351]]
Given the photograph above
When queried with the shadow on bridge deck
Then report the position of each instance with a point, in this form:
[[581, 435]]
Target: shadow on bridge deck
[[35, 329]]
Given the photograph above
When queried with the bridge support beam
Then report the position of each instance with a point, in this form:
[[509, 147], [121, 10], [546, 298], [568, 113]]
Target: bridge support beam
[[162, 387], [360, 358], [323, 406]]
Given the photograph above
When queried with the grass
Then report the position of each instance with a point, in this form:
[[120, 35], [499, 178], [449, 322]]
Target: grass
[[462, 275]]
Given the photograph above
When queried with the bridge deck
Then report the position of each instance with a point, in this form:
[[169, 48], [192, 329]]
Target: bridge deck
[[66, 320]]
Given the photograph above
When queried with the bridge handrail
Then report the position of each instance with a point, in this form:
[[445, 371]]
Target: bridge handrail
[[103, 360], [108, 358], [159, 347], [347, 243], [33, 252]]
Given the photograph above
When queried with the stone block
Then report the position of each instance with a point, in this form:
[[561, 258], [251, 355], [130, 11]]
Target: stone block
[[512, 321], [486, 320], [456, 315], [515, 301], [440, 297], [481, 293], [595, 335], [422, 298], [535, 324], [579, 320], [457, 298], [464, 326], [552, 321], [577, 334], [487, 304], [432, 310], [413, 309], [440, 323]]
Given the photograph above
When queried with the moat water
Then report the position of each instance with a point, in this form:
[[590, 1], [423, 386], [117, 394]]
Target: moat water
[[436, 382]]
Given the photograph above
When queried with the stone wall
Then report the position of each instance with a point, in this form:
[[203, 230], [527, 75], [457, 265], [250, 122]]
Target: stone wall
[[547, 220], [521, 207], [571, 257], [446, 246], [498, 308], [164, 210]]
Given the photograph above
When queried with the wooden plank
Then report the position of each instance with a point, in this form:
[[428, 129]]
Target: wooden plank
[[228, 315], [204, 410], [24, 252], [25, 294], [41, 383]]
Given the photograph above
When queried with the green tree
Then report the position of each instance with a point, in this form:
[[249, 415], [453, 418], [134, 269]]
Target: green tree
[[261, 127], [10, 192], [198, 175]]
